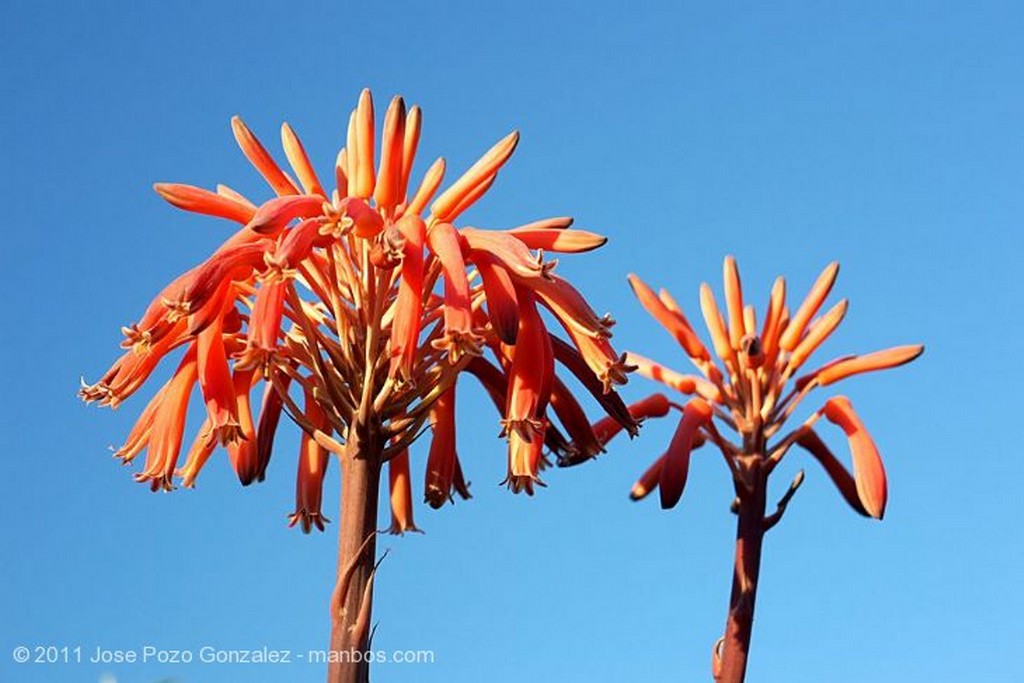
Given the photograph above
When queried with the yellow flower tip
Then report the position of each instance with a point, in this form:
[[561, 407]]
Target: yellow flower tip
[[639, 491]]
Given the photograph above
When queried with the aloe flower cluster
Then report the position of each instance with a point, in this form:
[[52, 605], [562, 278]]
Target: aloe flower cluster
[[755, 387], [357, 309], [758, 387]]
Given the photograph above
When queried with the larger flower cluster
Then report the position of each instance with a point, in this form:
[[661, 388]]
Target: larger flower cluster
[[358, 308]]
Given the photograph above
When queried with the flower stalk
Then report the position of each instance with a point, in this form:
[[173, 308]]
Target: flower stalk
[[730, 657], [352, 598]]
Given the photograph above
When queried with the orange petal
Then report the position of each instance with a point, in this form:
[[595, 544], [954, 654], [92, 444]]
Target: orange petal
[[610, 401], [132, 369], [655, 405], [502, 305], [141, 431], [364, 176], [244, 452], [879, 360], [818, 333], [198, 200], [733, 301], [341, 173], [236, 263], [676, 324], [225, 191], [802, 381], [276, 213], [531, 370], [405, 328], [458, 316], [512, 253], [213, 308], [677, 462], [648, 481], [216, 385], [169, 426], [868, 470], [569, 306], [264, 326], [267, 422], [428, 186], [366, 222], [441, 459], [524, 460], [312, 468], [260, 158], [749, 320], [198, 455], [715, 324], [459, 483], [559, 240], [410, 141], [478, 173], [471, 198], [813, 444], [400, 486], [297, 157], [822, 286], [772, 328], [557, 223], [388, 191], [686, 384], [296, 245], [585, 442]]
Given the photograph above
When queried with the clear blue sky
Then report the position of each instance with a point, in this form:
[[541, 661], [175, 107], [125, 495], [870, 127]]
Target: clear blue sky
[[786, 133]]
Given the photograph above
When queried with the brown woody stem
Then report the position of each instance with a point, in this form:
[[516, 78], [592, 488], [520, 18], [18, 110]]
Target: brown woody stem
[[730, 664], [351, 603]]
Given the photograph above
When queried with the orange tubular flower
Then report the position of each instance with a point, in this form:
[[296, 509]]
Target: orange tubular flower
[[753, 393], [369, 305], [401, 494]]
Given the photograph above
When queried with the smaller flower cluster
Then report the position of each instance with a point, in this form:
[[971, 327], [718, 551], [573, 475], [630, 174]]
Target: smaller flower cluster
[[756, 389]]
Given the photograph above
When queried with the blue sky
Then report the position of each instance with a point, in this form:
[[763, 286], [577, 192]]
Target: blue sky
[[788, 134]]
